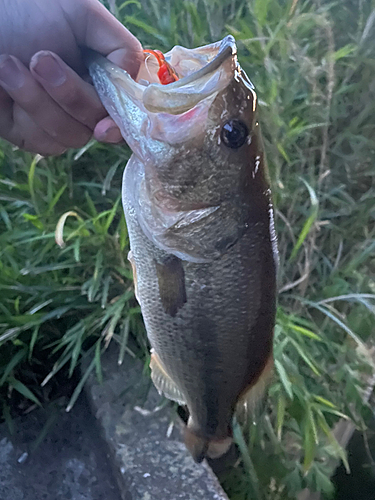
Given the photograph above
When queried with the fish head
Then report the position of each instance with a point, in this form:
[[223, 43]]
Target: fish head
[[197, 137]]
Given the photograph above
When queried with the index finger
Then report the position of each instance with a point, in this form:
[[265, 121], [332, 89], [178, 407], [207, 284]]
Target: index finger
[[77, 97], [96, 28]]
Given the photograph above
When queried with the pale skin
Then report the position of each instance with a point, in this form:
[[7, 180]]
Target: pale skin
[[46, 104]]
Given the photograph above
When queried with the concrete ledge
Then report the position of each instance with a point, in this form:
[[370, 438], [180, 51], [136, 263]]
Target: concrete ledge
[[54, 455], [148, 464]]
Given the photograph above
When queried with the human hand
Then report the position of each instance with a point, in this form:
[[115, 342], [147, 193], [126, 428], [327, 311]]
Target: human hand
[[46, 106]]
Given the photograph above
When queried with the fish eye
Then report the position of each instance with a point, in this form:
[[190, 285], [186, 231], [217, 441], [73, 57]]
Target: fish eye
[[234, 133]]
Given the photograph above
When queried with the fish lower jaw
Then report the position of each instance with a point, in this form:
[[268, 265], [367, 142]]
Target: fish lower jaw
[[201, 447], [217, 448]]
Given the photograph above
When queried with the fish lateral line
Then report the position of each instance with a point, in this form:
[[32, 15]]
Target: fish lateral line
[[166, 73]]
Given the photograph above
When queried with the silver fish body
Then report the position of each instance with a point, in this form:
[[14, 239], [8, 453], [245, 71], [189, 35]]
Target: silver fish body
[[200, 220]]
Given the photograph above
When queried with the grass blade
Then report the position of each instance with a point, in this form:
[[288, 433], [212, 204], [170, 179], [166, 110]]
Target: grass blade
[[309, 222], [80, 385], [22, 389]]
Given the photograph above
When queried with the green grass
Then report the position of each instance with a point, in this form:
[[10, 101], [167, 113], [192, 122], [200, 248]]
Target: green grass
[[312, 63], [61, 303]]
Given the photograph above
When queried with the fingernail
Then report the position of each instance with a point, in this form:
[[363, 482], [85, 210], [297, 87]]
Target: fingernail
[[48, 68], [112, 134], [10, 73]]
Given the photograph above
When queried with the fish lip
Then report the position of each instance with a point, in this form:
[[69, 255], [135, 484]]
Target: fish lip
[[100, 65], [227, 49], [157, 97]]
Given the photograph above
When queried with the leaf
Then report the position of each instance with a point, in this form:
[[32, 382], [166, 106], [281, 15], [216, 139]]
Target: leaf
[[333, 441], [123, 339], [344, 51], [311, 420], [281, 405], [78, 389], [304, 331], [261, 11], [97, 277], [83, 150], [6, 219], [79, 333], [333, 412], [306, 358], [60, 227], [337, 321], [111, 215], [123, 233], [34, 219], [10, 333], [130, 2], [22, 389], [57, 367], [325, 402], [98, 365], [111, 172], [244, 450], [105, 290], [309, 222], [17, 358], [8, 419], [77, 250], [283, 153], [284, 378], [324, 484], [309, 447], [33, 340], [56, 198], [30, 177], [91, 205]]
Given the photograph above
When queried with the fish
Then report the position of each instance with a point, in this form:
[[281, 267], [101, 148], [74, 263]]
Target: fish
[[197, 201]]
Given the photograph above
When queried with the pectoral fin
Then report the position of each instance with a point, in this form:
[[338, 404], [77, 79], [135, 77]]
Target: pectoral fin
[[163, 382], [171, 280]]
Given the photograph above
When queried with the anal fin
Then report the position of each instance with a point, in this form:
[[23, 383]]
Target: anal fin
[[251, 399], [163, 382]]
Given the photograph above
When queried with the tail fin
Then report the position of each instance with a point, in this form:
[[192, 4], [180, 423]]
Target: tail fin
[[200, 447]]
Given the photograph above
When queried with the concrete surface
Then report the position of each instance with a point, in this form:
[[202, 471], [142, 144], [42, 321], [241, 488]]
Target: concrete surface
[[54, 455], [70, 463], [149, 464]]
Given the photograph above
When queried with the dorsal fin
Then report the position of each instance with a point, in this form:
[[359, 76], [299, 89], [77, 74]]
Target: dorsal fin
[[163, 382]]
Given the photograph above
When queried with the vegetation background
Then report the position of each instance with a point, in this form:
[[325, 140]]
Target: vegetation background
[[312, 62]]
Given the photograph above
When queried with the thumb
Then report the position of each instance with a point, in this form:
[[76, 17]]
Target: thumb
[[96, 28]]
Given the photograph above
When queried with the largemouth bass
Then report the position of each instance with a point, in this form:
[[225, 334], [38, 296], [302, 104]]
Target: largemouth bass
[[198, 208]]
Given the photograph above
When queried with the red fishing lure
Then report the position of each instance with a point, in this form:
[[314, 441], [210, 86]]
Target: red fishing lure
[[166, 73]]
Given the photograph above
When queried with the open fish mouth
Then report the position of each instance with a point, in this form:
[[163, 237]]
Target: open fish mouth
[[203, 72]]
